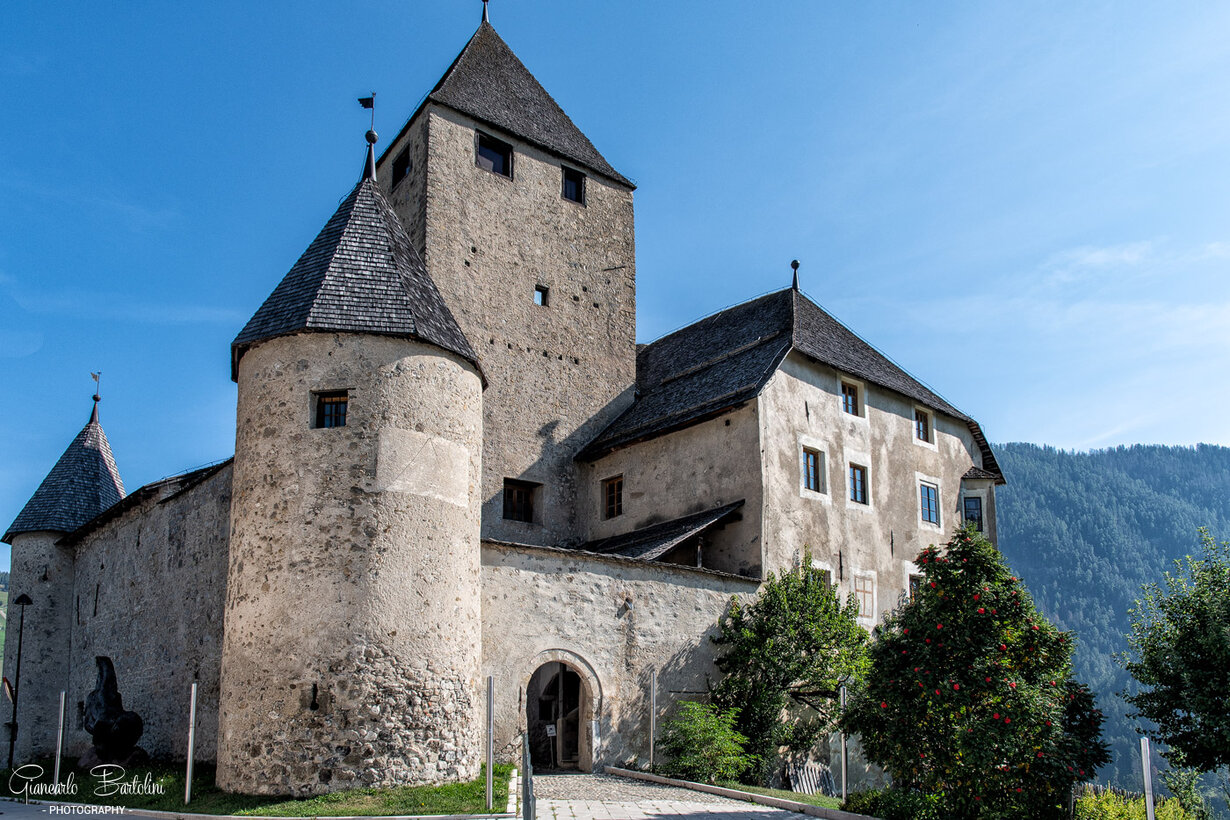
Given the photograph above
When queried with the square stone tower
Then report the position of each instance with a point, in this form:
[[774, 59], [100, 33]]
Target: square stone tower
[[528, 233]]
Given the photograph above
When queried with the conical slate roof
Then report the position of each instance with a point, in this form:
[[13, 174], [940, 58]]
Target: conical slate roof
[[360, 275], [84, 483], [489, 83]]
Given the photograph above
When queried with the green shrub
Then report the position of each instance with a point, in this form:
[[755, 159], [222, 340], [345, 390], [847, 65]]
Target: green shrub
[[702, 744], [895, 804], [1110, 806]]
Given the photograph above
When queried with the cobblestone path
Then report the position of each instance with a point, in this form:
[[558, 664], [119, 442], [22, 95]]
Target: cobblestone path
[[607, 797]]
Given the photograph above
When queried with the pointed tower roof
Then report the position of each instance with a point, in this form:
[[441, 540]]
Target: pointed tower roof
[[84, 483], [360, 275], [489, 83]]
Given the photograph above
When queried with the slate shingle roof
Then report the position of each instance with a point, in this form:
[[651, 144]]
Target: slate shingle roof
[[82, 484], [490, 84], [652, 542], [361, 275], [726, 359]]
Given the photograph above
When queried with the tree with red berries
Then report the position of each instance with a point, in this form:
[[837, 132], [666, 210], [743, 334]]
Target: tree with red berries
[[971, 694]]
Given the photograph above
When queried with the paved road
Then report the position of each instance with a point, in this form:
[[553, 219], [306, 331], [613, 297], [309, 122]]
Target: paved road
[[606, 797]]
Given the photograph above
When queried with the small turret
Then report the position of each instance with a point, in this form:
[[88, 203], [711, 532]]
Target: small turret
[[352, 634], [83, 483]]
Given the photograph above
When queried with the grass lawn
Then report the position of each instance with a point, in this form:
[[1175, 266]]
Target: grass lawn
[[809, 799], [455, 798]]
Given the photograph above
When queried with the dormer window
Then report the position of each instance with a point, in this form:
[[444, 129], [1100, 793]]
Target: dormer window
[[494, 155], [401, 166], [331, 408], [574, 186]]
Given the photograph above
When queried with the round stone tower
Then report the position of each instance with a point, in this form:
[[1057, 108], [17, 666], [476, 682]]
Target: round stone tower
[[352, 626]]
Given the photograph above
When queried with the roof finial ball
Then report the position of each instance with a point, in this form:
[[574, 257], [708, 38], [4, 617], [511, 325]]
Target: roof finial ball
[[371, 137], [794, 266]]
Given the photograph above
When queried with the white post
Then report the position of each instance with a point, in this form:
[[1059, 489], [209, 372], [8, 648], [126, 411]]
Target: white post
[[843, 747], [490, 741], [191, 745], [59, 740], [1147, 767], [653, 713]]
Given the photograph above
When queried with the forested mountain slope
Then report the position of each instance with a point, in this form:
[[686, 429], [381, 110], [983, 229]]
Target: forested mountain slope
[[1085, 530]]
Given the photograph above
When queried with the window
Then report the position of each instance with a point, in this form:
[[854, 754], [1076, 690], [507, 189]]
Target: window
[[519, 500], [858, 484], [401, 166], [915, 584], [331, 408], [574, 186], [542, 295], [494, 156], [849, 398], [613, 497], [929, 497], [813, 470], [922, 425], [865, 594], [973, 511]]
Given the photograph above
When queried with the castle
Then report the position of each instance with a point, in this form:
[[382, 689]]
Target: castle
[[453, 460]]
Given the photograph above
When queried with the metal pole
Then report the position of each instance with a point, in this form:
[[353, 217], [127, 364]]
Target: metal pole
[[843, 748], [22, 601], [191, 744], [1145, 764], [59, 740], [490, 741], [653, 714]]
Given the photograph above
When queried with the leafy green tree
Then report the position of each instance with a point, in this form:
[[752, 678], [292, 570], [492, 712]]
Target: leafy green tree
[[1180, 651], [785, 655], [970, 693], [702, 744]]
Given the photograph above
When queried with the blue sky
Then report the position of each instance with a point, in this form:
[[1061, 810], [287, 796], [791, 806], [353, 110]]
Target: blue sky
[[1025, 205]]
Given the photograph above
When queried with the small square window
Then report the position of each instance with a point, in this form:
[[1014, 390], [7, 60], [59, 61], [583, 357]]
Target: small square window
[[331, 408], [929, 498], [865, 594], [401, 166], [813, 470], [858, 483], [574, 186], [849, 399], [542, 295], [973, 511], [519, 498], [922, 425], [613, 497], [494, 155]]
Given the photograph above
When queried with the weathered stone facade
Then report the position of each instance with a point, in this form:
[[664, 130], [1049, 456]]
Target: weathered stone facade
[[340, 591]]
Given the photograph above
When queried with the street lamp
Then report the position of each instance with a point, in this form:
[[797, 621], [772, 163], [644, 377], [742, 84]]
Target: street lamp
[[22, 601]]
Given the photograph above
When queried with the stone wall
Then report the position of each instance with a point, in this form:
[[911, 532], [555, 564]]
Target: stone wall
[[556, 374], [148, 594], [801, 406], [612, 620], [691, 470], [44, 571], [352, 624]]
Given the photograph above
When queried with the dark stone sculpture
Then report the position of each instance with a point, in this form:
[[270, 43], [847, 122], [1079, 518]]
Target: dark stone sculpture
[[115, 730]]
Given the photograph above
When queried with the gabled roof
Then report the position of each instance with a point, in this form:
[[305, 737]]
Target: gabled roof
[[490, 84], [360, 275], [652, 542], [726, 359], [82, 484]]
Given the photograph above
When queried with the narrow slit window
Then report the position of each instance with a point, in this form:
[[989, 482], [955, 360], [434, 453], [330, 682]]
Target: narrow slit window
[[858, 483], [331, 408], [613, 497], [542, 295], [574, 186], [494, 155]]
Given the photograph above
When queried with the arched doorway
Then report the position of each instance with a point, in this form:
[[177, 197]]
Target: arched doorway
[[558, 706]]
